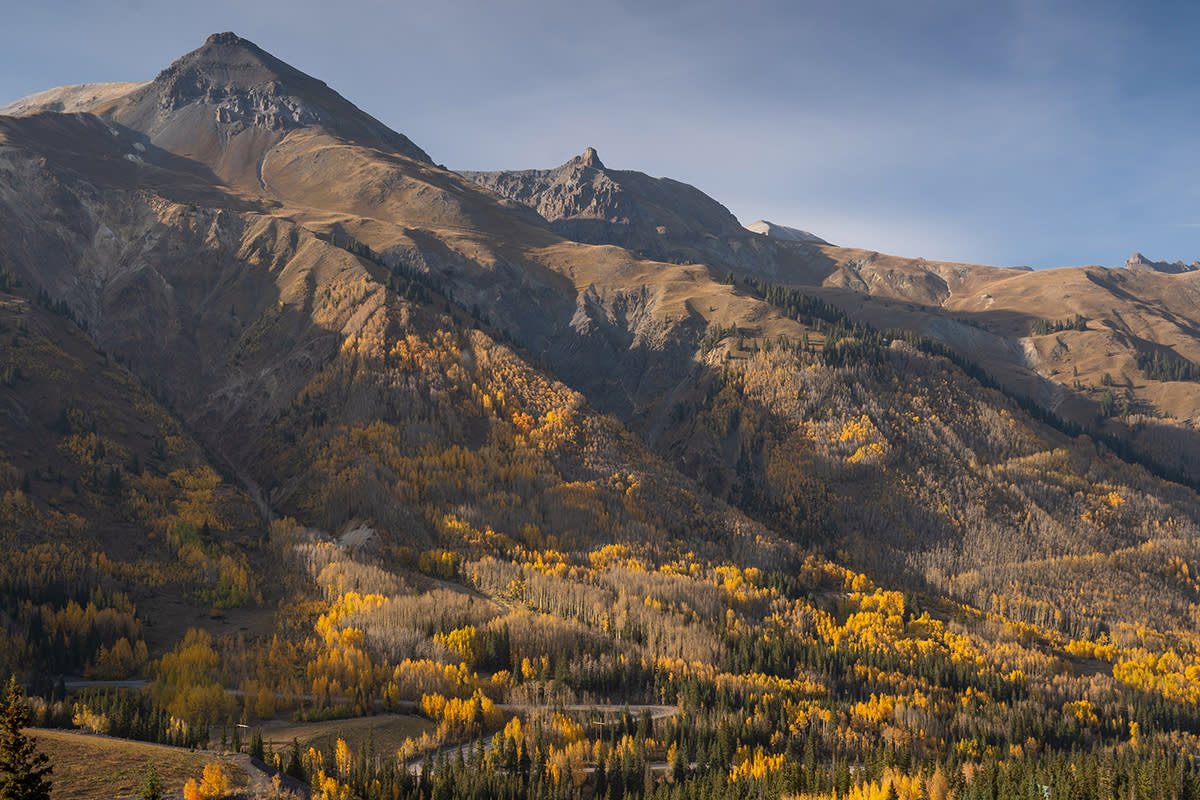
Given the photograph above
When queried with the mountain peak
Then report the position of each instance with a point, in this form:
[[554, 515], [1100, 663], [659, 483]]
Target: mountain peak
[[229, 38], [589, 158], [237, 84], [226, 64]]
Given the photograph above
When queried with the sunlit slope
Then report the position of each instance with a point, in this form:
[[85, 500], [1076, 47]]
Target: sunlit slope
[[69, 99]]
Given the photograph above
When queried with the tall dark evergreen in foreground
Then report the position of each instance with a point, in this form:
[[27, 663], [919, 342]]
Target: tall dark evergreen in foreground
[[24, 772]]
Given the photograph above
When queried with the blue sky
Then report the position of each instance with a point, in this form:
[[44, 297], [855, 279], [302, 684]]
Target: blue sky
[[1006, 132]]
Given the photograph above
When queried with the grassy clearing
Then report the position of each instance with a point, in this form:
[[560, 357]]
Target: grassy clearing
[[389, 732], [89, 767]]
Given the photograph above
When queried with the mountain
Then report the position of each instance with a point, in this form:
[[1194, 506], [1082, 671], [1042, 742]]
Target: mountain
[[296, 419], [237, 302], [203, 102], [1098, 374], [657, 218]]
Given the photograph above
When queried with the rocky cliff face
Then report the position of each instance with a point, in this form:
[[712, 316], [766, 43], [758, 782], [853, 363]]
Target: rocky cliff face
[[1140, 262], [228, 103], [587, 202], [245, 85]]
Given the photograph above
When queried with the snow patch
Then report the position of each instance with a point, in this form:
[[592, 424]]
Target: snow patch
[[783, 233], [69, 99]]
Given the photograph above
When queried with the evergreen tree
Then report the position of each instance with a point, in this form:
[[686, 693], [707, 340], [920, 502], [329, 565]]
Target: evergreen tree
[[600, 779], [679, 766], [24, 772], [151, 786], [295, 765]]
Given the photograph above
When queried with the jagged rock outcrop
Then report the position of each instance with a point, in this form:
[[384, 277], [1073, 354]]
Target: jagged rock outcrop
[[587, 202], [659, 218], [1137, 261]]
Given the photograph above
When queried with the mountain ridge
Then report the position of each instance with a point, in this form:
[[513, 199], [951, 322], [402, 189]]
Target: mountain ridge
[[70, 99], [298, 424], [1140, 262], [989, 315], [410, 212]]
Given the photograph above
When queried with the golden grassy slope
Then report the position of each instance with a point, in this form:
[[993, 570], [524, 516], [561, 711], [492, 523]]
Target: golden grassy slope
[[90, 767]]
